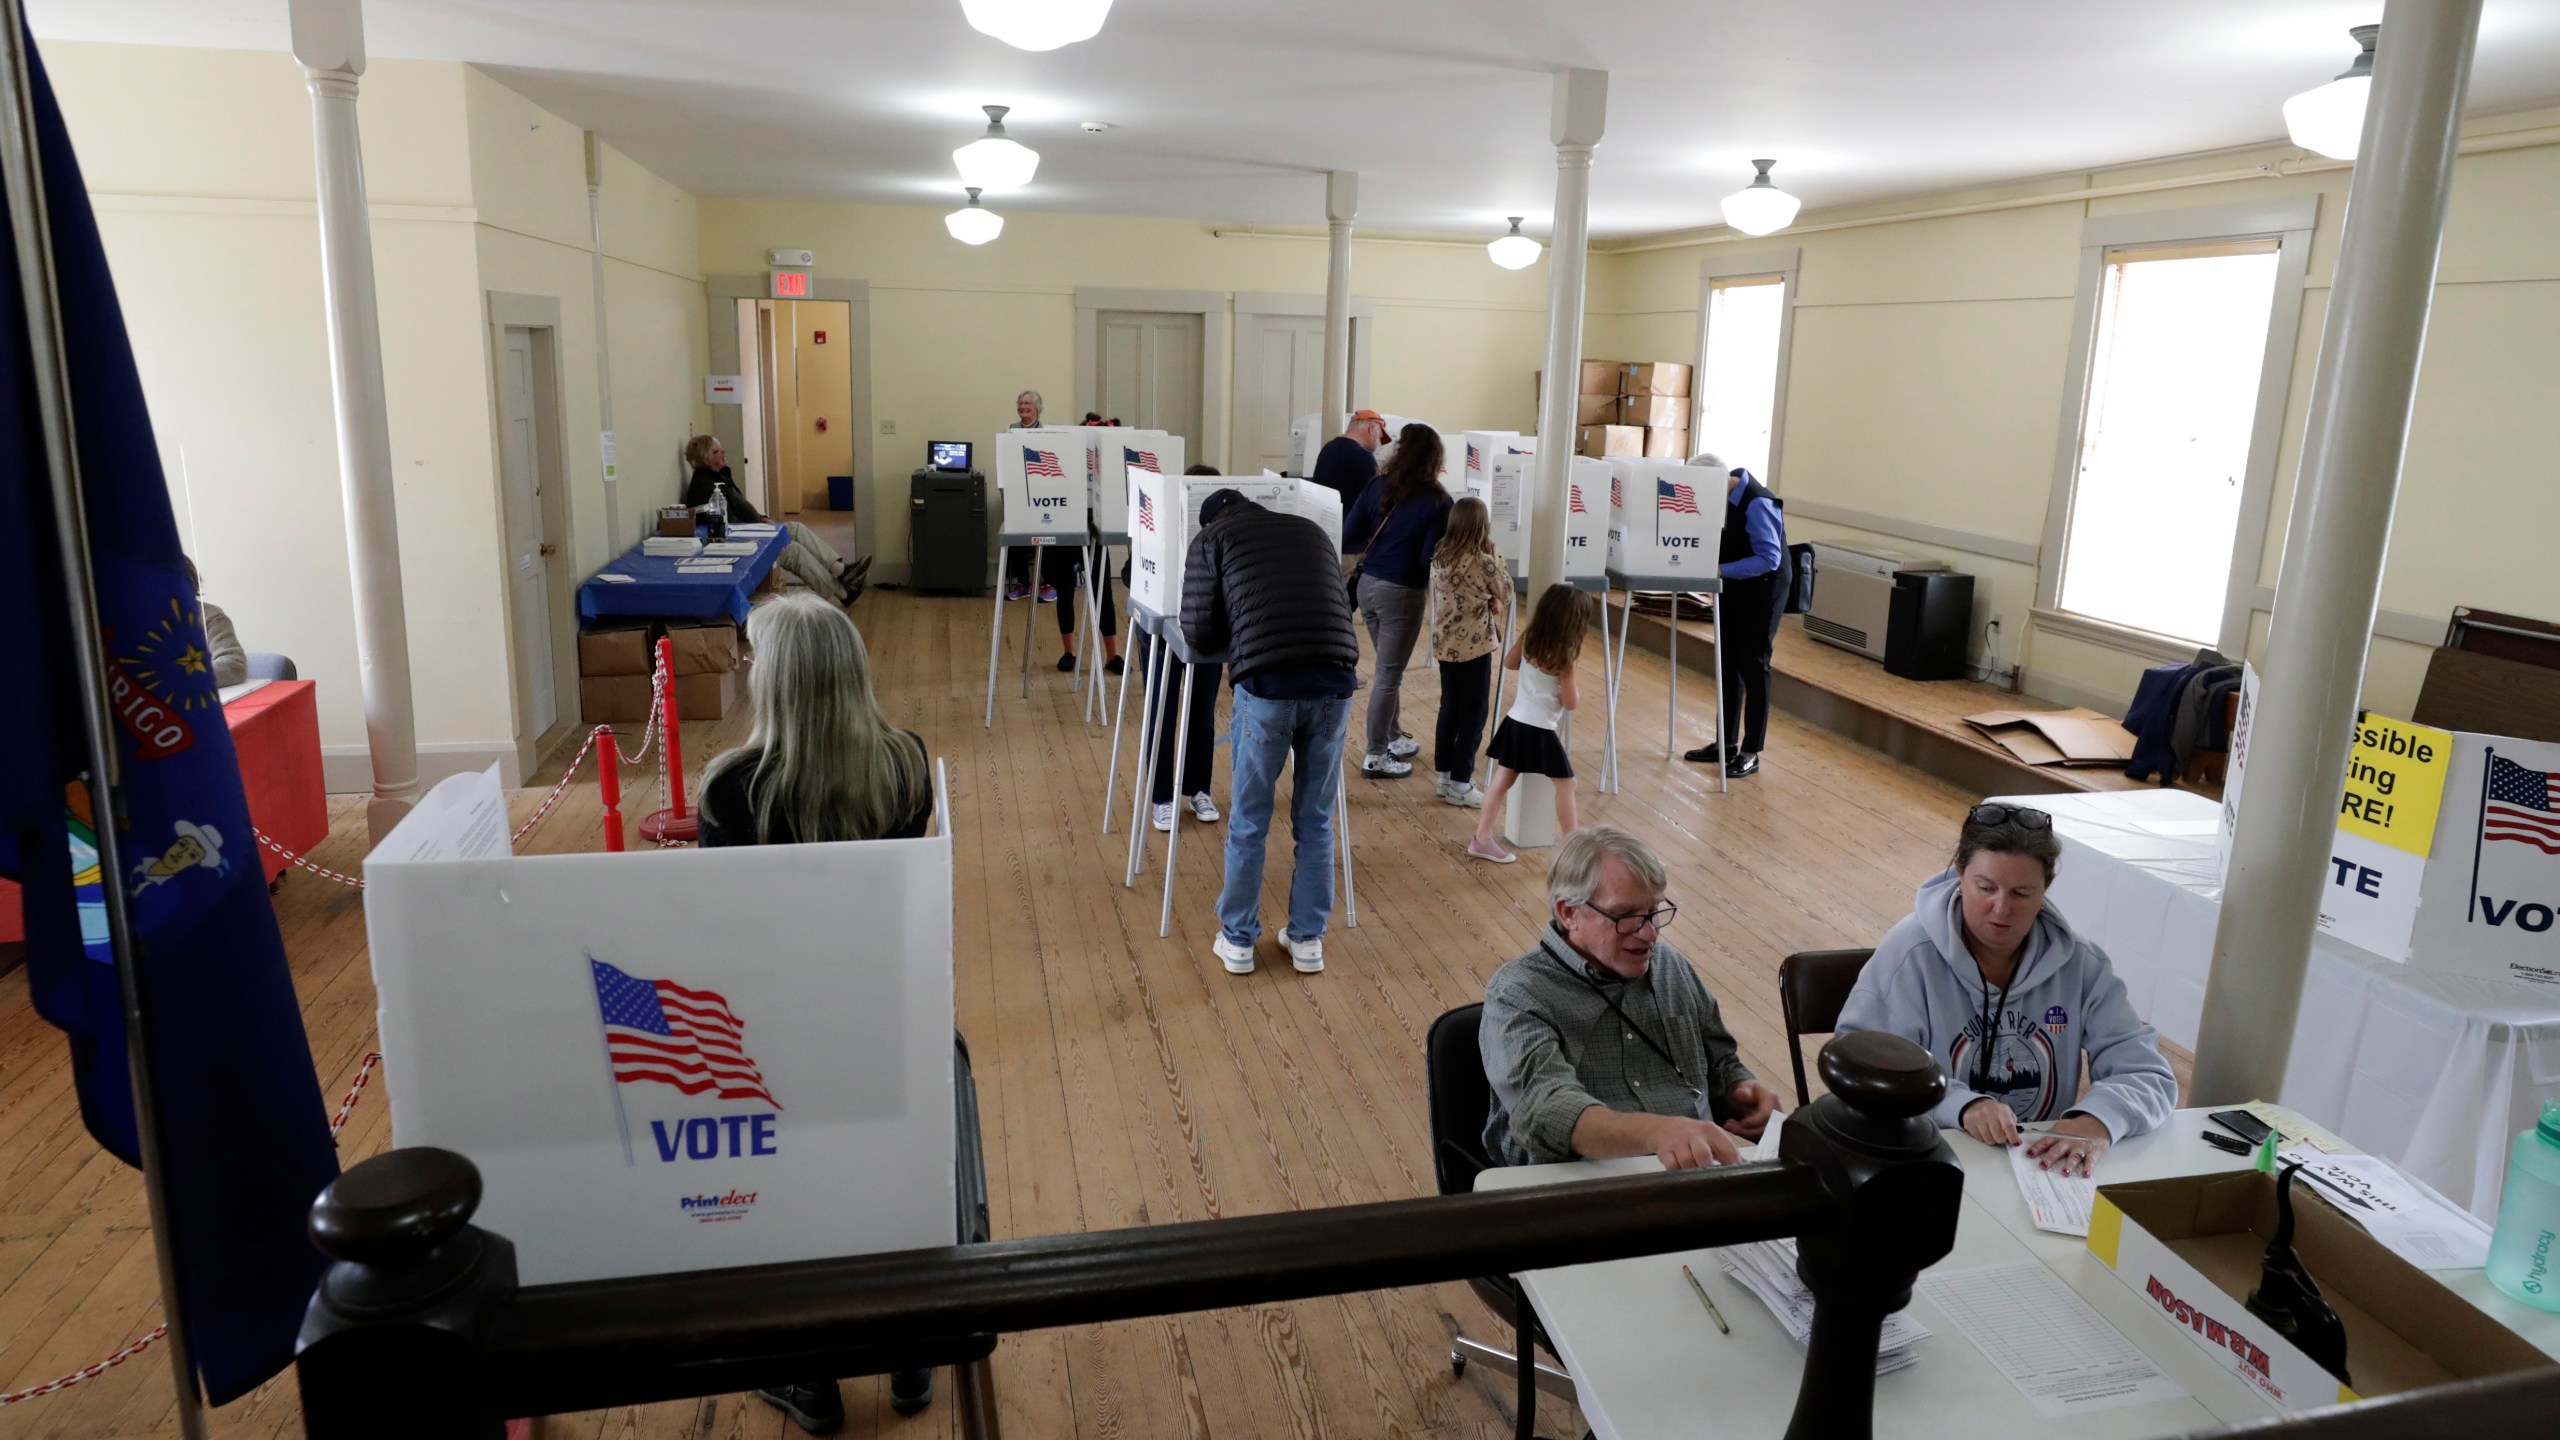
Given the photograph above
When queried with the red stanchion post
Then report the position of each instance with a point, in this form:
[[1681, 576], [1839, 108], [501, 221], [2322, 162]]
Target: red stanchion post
[[609, 785], [674, 822]]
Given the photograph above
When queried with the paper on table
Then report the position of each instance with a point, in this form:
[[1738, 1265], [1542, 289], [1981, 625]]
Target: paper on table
[[2060, 1203], [463, 818], [2292, 1130], [704, 567], [2062, 1355], [2409, 1221], [1767, 1268], [612, 577]]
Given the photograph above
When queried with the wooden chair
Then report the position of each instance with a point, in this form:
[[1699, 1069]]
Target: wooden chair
[[1812, 986]]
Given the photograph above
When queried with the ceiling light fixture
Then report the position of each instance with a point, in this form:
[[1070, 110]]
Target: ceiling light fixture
[[1760, 207], [973, 223], [995, 160], [1037, 24], [2329, 120], [1515, 251]]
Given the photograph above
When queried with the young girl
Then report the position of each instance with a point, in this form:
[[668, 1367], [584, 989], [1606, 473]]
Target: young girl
[[1526, 742], [1468, 594]]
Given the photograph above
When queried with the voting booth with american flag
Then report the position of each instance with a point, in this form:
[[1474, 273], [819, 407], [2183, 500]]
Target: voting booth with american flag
[[1046, 477], [1660, 521], [671, 1059]]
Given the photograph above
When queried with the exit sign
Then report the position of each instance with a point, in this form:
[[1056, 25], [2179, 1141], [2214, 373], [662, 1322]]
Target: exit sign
[[790, 284]]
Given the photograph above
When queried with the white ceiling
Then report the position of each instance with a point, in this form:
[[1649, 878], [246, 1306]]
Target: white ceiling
[[1230, 109]]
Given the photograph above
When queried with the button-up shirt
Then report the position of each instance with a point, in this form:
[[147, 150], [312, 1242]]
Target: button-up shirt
[[1554, 1048]]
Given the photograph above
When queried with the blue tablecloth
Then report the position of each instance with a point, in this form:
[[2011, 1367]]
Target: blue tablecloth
[[659, 591]]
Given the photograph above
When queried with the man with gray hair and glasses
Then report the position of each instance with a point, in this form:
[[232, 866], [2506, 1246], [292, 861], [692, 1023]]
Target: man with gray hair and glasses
[[1602, 1042]]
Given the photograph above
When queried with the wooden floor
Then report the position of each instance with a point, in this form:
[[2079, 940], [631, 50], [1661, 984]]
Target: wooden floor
[[1125, 1079]]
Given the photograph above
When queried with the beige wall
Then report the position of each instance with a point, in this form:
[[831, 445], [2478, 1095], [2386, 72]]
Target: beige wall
[[957, 331], [1929, 357], [199, 163], [813, 382]]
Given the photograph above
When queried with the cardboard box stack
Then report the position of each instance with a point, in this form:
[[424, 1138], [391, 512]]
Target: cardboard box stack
[[614, 668], [1633, 411]]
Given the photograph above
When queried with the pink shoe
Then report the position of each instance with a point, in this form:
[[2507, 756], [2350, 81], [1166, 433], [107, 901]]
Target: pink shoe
[[1496, 855]]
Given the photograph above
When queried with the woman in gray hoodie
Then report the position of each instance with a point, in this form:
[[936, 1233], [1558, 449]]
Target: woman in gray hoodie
[[1982, 955]]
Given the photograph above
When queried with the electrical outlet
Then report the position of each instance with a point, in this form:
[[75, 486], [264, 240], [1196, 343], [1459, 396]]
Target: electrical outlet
[[888, 427]]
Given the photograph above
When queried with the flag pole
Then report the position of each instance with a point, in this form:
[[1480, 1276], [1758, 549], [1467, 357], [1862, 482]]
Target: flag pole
[[613, 1082], [2479, 835], [32, 243]]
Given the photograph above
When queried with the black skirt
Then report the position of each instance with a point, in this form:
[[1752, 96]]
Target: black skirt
[[1529, 749]]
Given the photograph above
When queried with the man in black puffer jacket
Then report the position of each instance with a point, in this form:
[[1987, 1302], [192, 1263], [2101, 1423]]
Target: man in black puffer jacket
[[1266, 590]]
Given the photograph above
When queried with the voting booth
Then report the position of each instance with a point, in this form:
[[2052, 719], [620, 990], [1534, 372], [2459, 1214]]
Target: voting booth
[[1586, 540], [1117, 452], [1660, 524], [671, 1059], [1046, 477], [1165, 516]]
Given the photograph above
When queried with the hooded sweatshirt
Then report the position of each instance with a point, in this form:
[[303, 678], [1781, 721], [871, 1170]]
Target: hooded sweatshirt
[[1923, 985]]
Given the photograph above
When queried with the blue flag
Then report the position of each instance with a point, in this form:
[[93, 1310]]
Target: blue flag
[[246, 1130]]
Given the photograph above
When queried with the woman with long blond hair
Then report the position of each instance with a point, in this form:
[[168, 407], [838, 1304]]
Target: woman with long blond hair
[[821, 762]]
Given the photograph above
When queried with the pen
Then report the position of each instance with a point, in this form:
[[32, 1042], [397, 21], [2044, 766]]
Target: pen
[[1712, 1312]]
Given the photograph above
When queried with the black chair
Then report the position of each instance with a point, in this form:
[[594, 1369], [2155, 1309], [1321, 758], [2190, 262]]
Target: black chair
[[1461, 1099], [1813, 985]]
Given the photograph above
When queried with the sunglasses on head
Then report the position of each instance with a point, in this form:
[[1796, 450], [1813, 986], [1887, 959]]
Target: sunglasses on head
[[2018, 815]]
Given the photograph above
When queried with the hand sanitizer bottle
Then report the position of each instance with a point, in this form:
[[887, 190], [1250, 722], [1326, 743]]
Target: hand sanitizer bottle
[[2524, 1252]]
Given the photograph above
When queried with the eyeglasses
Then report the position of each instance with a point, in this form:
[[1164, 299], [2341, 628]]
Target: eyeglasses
[[1659, 917], [2018, 815]]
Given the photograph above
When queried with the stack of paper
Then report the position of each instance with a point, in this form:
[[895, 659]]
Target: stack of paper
[[671, 545], [753, 527], [1767, 1268], [730, 547], [2058, 1202], [704, 567], [2410, 1220]]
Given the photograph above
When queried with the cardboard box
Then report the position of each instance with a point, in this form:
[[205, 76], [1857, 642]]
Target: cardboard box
[[1661, 522], [625, 651], [2056, 737], [1656, 377], [1599, 377], [704, 649], [1663, 442], [1051, 502], [676, 520], [1603, 441], [1595, 409], [624, 699], [1649, 411], [2194, 1246], [709, 697]]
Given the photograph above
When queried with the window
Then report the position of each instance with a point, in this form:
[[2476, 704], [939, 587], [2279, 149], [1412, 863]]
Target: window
[[1737, 385], [2180, 341]]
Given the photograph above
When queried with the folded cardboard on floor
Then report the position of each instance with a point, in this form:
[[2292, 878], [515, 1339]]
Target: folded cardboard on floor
[[2056, 737], [2195, 1245]]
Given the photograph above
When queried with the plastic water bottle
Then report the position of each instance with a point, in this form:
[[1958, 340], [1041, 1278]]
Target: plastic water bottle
[[2524, 1252]]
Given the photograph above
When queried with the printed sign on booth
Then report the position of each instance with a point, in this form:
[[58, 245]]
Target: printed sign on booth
[[1045, 476], [2492, 901]]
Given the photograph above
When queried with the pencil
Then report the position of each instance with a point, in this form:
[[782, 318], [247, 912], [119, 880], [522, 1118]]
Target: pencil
[[1712, 1312]]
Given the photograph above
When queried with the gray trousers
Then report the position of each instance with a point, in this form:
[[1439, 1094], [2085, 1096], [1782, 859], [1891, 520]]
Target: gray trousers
[[812, 561], [1393, 614]]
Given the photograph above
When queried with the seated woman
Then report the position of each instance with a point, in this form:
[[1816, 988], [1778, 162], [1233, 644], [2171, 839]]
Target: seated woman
[[1982, 955], [809, 557], [819, 764]]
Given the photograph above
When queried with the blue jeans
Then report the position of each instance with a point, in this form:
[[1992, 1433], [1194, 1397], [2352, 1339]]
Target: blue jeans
[[1266, 734]]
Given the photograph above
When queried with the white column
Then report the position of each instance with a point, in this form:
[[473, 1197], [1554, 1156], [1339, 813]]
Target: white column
[[2330, 586], [1341, 203], [1580, 114], [614, 538], [328, 38]]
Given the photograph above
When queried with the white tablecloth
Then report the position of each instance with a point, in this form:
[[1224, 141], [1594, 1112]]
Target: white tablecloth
[[2438, 1072]]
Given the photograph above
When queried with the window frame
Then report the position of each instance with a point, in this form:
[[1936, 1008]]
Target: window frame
[[2290, 222], [1749, 265]]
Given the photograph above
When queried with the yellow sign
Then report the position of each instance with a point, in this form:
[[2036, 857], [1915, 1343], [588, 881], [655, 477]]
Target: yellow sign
[[2395, 781]]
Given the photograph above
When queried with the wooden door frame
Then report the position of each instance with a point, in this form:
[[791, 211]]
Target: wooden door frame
[[1248, 359], [1209, 305], [723, 292], [539, 314]]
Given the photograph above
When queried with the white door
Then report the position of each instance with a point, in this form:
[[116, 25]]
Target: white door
[[528, 588], [1148, 371], [1279, 376]]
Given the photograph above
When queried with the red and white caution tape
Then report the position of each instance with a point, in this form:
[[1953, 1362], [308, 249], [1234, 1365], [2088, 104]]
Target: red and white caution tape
[[337, 1123]]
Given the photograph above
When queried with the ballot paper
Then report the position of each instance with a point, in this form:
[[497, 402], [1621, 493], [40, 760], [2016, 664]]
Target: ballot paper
[[730, 547], [2060, 1203], [2062, 1355], [616, 577], [2409, 1220], [760, 527], [463, 818], [1767, 1268], [704, 567]]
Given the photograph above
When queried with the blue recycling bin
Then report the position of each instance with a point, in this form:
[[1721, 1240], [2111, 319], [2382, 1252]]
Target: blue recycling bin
[[839, 492]]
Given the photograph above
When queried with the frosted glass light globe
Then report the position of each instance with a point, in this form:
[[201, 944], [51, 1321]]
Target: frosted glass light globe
[[1037, 24], [2329, 120], [995, 160], [1515, 251], [1760, 207], [973, 223]]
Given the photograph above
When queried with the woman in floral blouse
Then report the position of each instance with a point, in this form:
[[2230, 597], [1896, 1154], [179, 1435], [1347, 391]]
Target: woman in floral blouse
[[1468, 592]]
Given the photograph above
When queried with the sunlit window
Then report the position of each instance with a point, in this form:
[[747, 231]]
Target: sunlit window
[[2180, 340], [1738, 383]]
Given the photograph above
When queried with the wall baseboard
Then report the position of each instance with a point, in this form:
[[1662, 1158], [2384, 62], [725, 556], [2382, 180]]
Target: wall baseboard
[[348, 769]]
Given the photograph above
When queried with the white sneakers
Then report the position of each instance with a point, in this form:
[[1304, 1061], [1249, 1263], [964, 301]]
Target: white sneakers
[[1465, 796], [1403, 746], [1203, 809], [1385, 767], [1305, 956], [1164, 816]]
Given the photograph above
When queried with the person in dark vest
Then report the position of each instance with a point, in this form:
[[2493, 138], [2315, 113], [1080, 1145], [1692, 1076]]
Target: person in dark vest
[[1752, 559]]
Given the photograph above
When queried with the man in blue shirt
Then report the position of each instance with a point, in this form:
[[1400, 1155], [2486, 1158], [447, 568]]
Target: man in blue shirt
[[1349, 461], [1752, 559]]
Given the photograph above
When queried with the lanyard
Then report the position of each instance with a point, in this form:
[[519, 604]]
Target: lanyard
[[1641, 1033]]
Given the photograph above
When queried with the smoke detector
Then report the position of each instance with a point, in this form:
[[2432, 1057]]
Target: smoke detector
[[1095, 127]]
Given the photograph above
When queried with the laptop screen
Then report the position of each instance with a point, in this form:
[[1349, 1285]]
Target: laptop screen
[[949, 454]]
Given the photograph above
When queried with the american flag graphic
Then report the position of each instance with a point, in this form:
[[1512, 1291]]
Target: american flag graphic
[[659, 1030], [1577, 501], [1677, 498], [1143, 460], [2523, 805], [1146, 510], [1618, 492], [1043, 462]]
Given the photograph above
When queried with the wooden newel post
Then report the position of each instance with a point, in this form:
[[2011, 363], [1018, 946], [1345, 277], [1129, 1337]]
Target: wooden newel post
[[390, 1348], [1896, 1190], [609, 785], [674, 822]]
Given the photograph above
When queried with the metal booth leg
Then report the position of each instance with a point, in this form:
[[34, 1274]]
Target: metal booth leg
[[1119, 712], [1724, 767], [1342, 843], [1510, 623], [1173, 837], [1609, 701], [1150, 735], [1671, 722], [995, 635], [1031, 614]]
